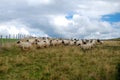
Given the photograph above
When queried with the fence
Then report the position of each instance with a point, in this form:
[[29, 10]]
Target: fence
[[11, 38], [17, 36]]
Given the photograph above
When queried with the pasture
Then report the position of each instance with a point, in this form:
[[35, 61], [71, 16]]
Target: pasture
[[60, 62]]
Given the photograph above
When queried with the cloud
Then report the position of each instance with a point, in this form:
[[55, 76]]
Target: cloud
[[59, 18], [13, 28]]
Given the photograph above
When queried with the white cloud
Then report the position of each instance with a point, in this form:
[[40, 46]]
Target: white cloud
[[47, 18], [61, 21], [13, 28], [38, 2]]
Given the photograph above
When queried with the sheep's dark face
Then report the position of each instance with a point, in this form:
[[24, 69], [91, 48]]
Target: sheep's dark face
[[62, 41], [84, 43], [75, 42], [44, 41], [27, 40], [36, 43], [99, 41], [18, 42]]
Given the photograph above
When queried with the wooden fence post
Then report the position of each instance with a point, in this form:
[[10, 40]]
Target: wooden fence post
[[6, 37], [1, 36], [9, 36]]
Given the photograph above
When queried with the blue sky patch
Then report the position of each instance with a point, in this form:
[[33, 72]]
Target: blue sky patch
[[112, 17], [70, 15]]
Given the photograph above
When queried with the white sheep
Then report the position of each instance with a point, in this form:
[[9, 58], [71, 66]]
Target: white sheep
[[72, 42], [79, 42], [90, 44], [41, 44], [54, 42], [24, 45], [59, 42], [66, 42], [47, 44]]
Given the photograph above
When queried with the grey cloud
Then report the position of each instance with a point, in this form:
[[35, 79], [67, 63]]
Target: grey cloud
[[36, 17]]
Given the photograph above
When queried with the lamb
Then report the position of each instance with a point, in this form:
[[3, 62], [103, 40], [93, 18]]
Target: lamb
[[24, 45]]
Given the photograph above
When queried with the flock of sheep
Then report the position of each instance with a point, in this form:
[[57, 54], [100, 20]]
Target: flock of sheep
[[38, 43]]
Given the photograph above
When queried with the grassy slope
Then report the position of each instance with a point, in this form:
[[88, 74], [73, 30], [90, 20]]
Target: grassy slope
[[60, 63]]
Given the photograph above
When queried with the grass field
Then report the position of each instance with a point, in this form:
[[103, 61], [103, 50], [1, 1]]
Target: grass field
[[61, 63], [2, 41]]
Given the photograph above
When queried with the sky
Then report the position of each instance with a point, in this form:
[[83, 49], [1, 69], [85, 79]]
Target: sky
[[61, 18]]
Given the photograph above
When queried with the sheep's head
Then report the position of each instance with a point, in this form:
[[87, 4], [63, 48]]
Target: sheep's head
[[44, 41], [63, 41], [98, 41], [27, 40], [18, 42]]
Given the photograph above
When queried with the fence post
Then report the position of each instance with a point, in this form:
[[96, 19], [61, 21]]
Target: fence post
[[9, 36], [1, 36], [6, 37]]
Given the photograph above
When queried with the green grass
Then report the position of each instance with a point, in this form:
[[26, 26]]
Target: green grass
[[60, 63], [2, 41]]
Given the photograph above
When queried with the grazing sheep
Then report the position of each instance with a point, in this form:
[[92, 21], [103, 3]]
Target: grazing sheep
[[96, 42], [47, 43], [90, 44], [72, 42], [87, 46], [79, 42], [54, 42], [41, 44], [32, 40], [66, 42], [59, 42], [24, 45]]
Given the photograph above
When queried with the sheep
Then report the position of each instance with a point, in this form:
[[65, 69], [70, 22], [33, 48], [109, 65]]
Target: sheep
[[54, 42], [66, 42], [41, 44], [32, 40], [97, 41], [47, 44], [59, 42], [79, 42], [72, 42], [90, 44], [24, 45]]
